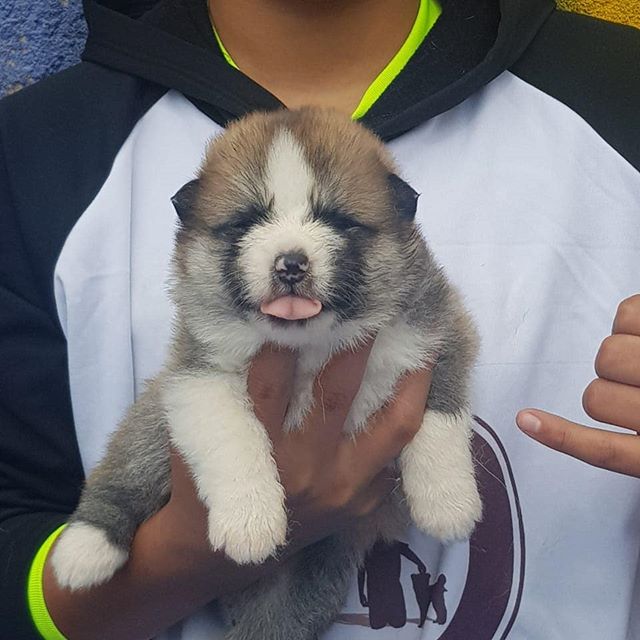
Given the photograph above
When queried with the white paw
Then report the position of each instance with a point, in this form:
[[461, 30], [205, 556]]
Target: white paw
[[447, 512], [83, 557], [251, 529]]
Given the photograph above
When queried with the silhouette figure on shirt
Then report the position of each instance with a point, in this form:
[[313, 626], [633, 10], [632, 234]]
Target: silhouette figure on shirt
[[383, 594], [437, 600], [430, 595]]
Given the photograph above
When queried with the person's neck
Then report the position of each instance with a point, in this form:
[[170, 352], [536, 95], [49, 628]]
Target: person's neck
[[313, 52]]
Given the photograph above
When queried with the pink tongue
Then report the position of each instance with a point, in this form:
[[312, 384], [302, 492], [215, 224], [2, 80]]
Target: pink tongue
[[292, 308]]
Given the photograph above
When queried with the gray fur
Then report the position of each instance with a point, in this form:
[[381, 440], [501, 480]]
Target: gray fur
[[397, 281], [299, 601], [133, 480]]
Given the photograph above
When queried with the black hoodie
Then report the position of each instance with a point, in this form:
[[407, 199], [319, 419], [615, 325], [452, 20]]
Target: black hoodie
[[521, 127]]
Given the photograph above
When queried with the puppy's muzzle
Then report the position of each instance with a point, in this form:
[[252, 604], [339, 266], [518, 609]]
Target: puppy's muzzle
[[291, 268]]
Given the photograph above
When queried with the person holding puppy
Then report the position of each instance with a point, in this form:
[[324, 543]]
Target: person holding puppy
[[520, 127]]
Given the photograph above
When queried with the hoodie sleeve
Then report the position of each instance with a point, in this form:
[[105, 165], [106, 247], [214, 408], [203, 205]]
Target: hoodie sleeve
[[58, 140], [40, 469]]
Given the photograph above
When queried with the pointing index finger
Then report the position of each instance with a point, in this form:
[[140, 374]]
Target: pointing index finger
[[605, 449]]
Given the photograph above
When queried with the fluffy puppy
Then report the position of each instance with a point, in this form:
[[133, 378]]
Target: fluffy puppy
[[297, 231]]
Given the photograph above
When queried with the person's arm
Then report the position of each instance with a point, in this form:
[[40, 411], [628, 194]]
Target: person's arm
[[330, 479], [406, 551], [613, 398], [361, 587], [40, 469]]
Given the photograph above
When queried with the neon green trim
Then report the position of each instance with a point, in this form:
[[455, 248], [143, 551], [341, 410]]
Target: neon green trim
[[35, 597], [428, 13], [225, 53]]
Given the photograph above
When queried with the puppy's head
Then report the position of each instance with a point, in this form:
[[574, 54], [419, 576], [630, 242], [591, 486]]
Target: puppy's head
[[299, 224]]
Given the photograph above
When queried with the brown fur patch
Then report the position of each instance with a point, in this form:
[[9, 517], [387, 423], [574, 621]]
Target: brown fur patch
[[349, 164]]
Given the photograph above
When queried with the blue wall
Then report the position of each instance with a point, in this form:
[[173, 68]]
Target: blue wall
[[38, 38]]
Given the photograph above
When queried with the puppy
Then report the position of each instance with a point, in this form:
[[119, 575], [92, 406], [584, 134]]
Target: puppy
[[297, 231]]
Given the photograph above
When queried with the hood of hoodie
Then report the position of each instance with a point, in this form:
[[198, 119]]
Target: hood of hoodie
[[171, 43]]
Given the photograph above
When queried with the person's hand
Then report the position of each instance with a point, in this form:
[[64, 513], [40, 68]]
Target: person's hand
[[613, 397], [329, 478]]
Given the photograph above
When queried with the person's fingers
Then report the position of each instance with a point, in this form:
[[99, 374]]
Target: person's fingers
[[618, 359], [379, 489], [183, 492], [180, 472], [334, 389], [613, 403], [269, 386], [614, 451], [389, 430], [627, 318]]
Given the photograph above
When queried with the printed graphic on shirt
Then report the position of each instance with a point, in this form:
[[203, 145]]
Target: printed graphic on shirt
[[381, 592], [405, 584]]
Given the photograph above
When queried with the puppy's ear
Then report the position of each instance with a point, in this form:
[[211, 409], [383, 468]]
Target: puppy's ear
[[184, 200], [405, 197]]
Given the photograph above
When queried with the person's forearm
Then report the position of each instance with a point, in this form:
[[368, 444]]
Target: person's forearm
[[171, 570], [160, 584]]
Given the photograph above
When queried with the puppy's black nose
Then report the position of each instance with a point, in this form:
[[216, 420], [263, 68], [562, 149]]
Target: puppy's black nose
[[291, 267]]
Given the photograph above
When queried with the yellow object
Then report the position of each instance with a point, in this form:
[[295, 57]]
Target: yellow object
[[624, 11], [35, 597], [225, 53], [428, 13]]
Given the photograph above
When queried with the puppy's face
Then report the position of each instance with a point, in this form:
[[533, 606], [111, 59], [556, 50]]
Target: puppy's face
[[297, 222]]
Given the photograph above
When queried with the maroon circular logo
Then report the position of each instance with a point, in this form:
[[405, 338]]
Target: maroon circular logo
[[484, 605]]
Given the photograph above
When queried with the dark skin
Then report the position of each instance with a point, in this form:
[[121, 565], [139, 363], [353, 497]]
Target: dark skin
[[613, 398], [330, 481], [300, 30], [311, 56], [171, 571]]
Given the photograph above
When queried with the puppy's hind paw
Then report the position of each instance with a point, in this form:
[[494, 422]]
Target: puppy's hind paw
[[83, 557]]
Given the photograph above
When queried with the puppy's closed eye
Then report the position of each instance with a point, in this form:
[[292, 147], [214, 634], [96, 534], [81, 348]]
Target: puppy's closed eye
[[341, 221], [241, 221]]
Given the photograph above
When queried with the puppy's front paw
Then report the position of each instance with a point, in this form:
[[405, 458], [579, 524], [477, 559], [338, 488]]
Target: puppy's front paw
[[447, 512], [250, 527], [83, 557]]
